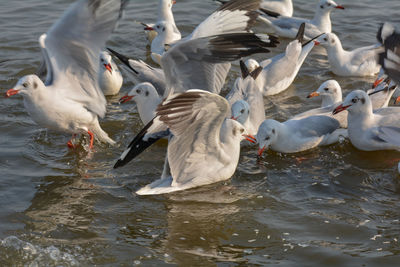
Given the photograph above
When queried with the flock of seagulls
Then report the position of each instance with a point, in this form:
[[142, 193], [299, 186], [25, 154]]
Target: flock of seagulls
[[180, 100]]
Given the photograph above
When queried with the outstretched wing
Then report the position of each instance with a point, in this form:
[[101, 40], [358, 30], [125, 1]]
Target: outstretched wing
[[193, 64], [73, 45], [232, 16], [390, 58], [195, 119]]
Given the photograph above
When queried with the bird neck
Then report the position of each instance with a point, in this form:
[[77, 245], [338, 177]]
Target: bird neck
[[147, 109], [322, 19], [329, 100]]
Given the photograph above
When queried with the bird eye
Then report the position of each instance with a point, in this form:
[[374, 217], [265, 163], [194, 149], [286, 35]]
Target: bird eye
[[354, 100], [25, 85], [242, 111], [267, 138], [163, 29], [326, 89], [138, 91], [329, 4], [325, 39], [322, 6]]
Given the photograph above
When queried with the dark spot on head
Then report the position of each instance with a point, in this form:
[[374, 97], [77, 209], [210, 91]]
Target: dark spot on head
[[147, 93], [273, 131], [35, 85], [234, 131], [363, 100], [241, 130]]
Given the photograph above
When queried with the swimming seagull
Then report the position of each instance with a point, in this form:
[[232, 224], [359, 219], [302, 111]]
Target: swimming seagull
[[280, 71], [205, 145], [110, 78], [288, 26], [368, 130], [70, 100], [164, 13], [358, 62], [294, 136]]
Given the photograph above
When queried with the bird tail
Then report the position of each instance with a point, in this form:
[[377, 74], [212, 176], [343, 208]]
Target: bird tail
[[101, 135]]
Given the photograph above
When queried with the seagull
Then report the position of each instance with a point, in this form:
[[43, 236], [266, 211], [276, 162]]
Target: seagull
[[294, 136], [288, 26], [382, 91], [368, 130], [187, 65], [109, 76], [282, 7], [146, 98], [358, 62], [165, 36], [390, 57], [205, 145], [331, 93], [164, 13], [246, 100], [70, 100], [280, 71]]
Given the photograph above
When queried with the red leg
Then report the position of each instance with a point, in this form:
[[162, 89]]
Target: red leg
[[91, 139], [70, 144]]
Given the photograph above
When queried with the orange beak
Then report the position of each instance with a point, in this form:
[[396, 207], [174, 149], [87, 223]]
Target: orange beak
[[340, 109], [261, 151], [314, 94], [397, 100], [377, 82], [108, 67], [250, 138], [11, 92], [125, 99]]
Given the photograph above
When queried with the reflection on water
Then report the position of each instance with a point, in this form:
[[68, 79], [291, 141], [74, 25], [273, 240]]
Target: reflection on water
[[331, 206]]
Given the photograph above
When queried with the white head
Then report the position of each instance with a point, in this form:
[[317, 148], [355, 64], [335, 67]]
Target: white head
[[29, 85], [166, 4], [330, 91], [357, 102], [327, 6], [240, 111], [252, 64], [105, 61], [236, 131], [141, 93], [328, 40], [267, 134]]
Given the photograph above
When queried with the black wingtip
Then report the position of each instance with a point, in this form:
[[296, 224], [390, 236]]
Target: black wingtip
[[255, 73], [244, 69], [313, 39], [270, 13], [123, 59], [300, 33]]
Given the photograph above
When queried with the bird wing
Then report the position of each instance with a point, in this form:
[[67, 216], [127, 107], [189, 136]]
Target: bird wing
[[390, 58], [73, 45], [314, 126], [233, 16], [193, 64], [195, 119]]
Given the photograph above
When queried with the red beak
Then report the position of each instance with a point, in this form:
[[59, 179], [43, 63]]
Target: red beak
[[174, 2], [250, 138], [317, 43], [233, 118], [397, 100], [11, 92], [376, 83], [340, 7], [108, 67], [340, 109], [261, 151], [148, 28], [125, 99]]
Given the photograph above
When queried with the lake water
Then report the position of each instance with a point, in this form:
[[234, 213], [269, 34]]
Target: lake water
[[331, 206]]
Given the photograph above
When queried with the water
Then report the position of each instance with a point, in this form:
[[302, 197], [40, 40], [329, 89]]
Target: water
[[329, 206]]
